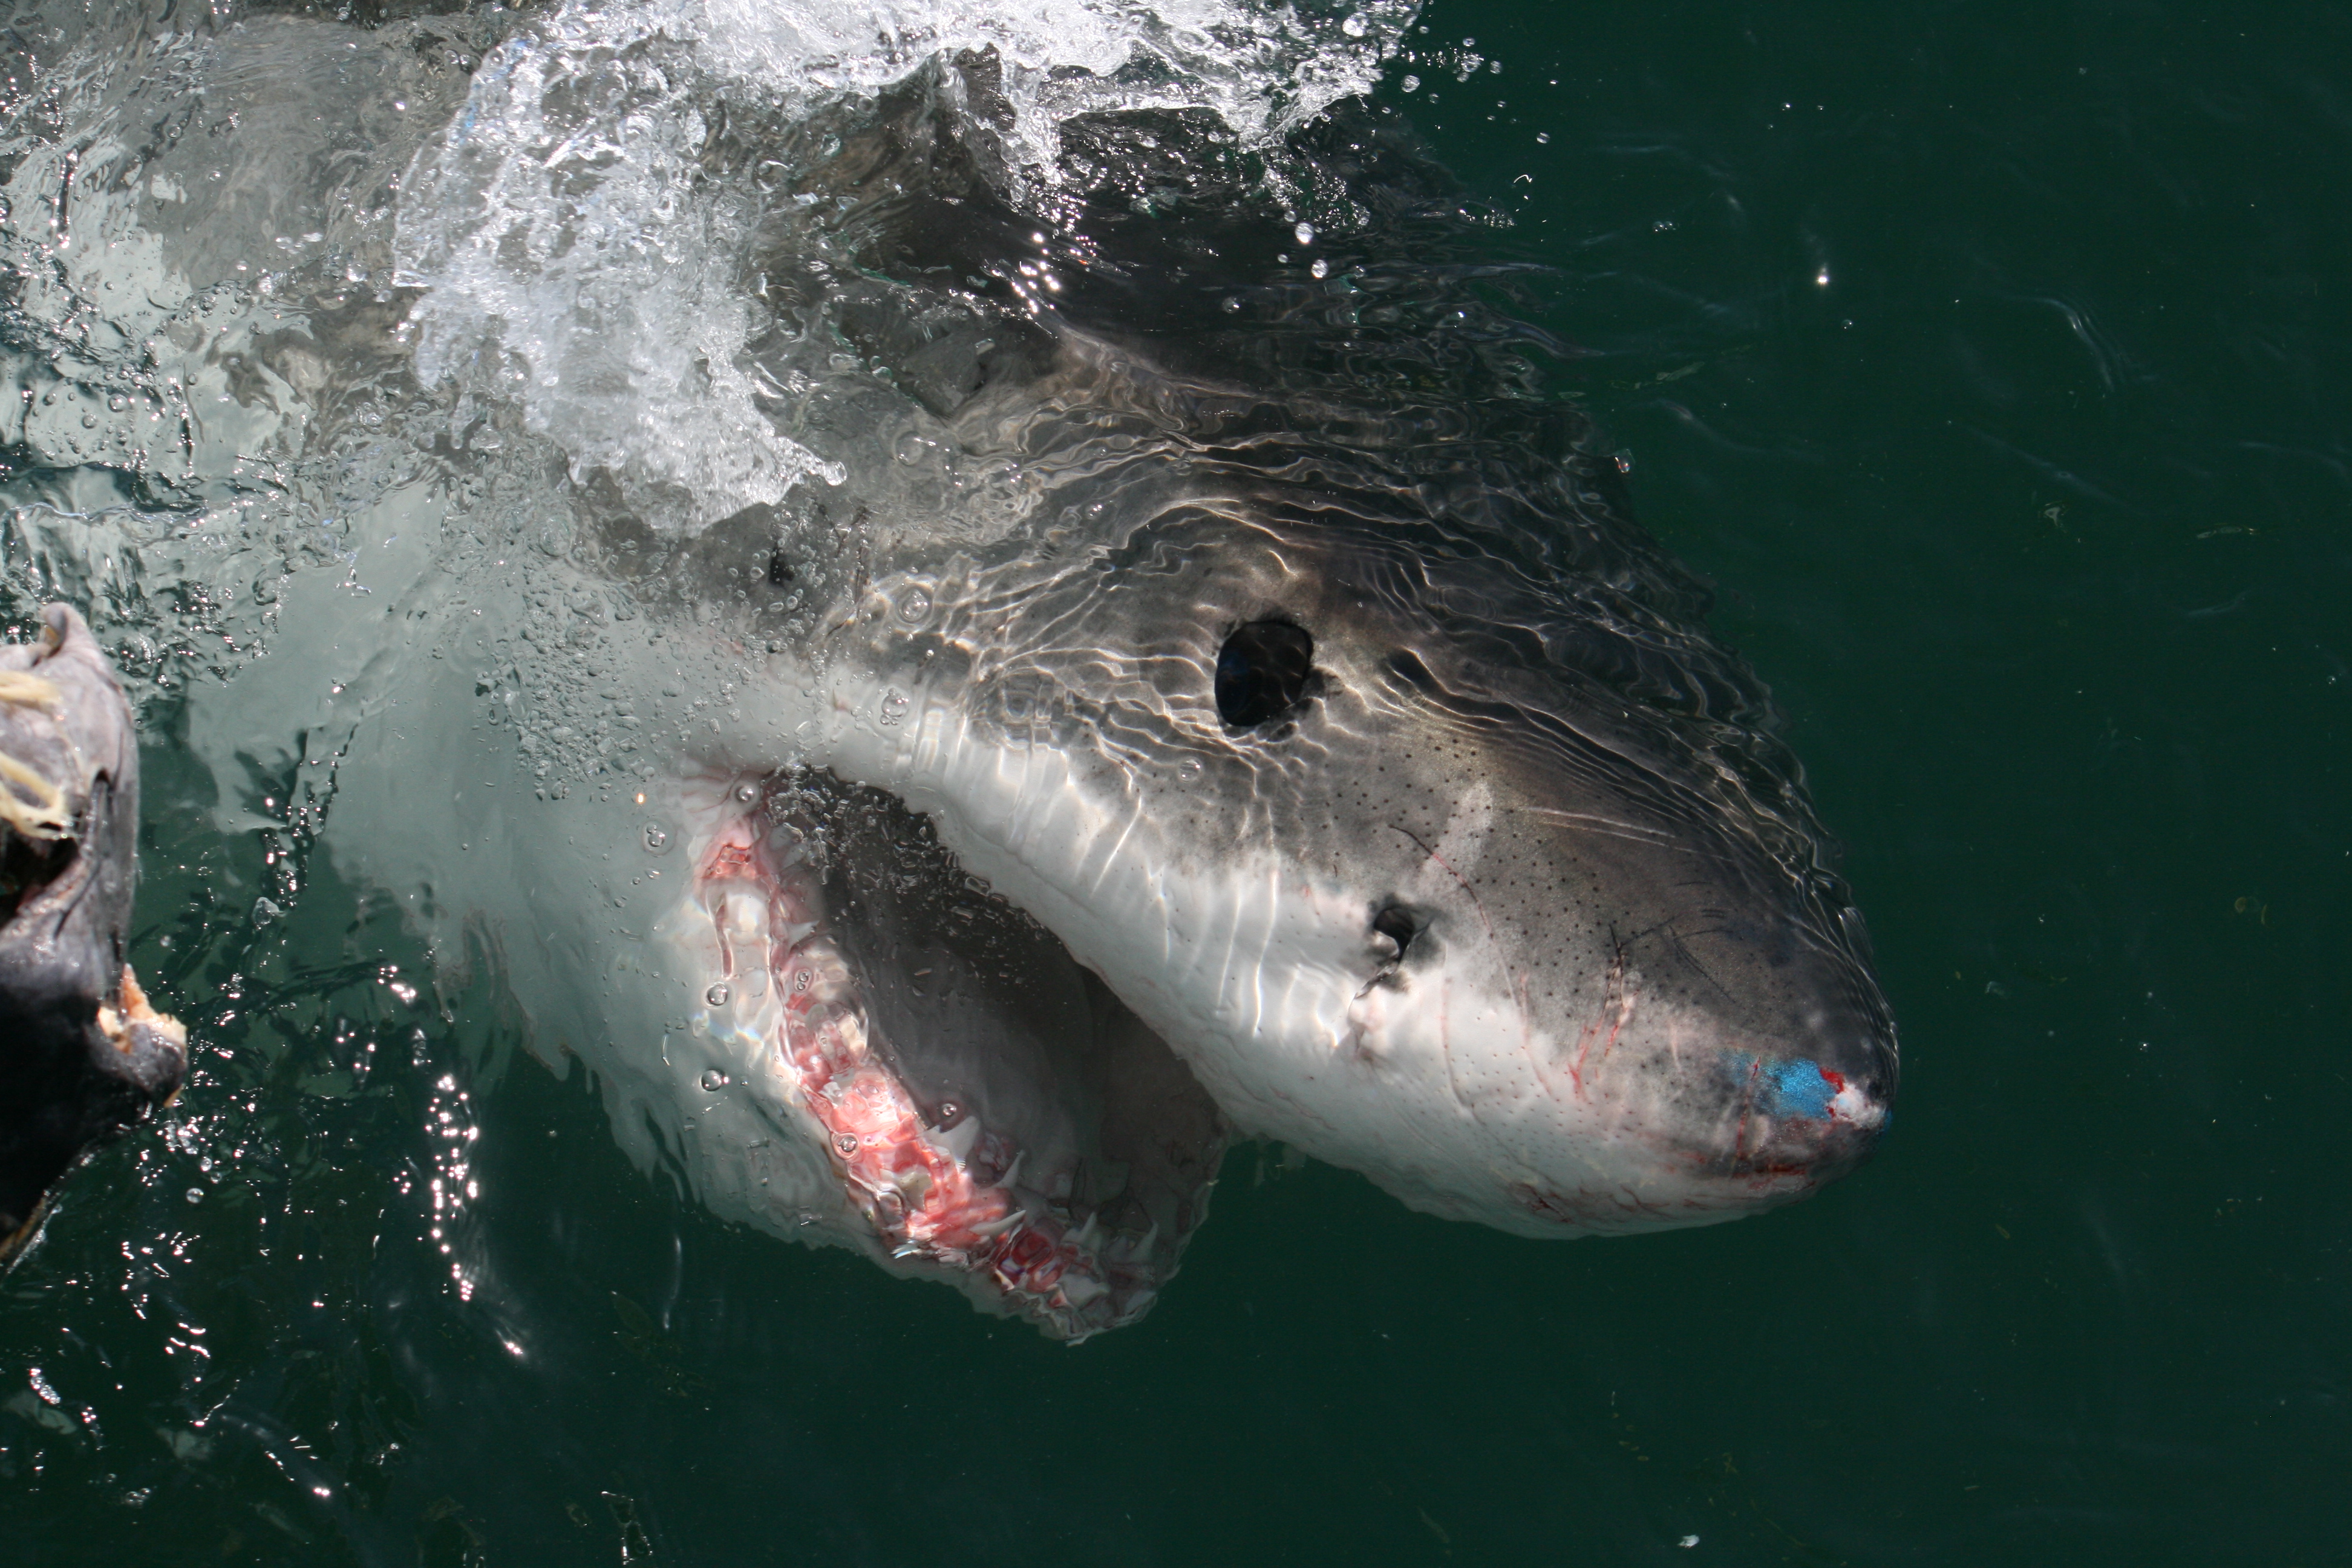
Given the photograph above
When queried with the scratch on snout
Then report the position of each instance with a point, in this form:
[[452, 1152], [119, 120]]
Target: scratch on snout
[[1518, 982], [1608, 827], [1438, 860]]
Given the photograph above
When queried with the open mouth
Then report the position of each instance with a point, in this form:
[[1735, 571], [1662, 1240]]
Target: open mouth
[[988, 1109]]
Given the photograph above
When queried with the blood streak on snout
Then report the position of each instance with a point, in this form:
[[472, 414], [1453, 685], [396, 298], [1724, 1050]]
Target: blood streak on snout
[[1616, 1011], [922, 1195], [1746, 1109]]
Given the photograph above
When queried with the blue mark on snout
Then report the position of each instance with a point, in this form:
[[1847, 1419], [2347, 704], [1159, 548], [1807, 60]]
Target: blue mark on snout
[[1796, 1089]]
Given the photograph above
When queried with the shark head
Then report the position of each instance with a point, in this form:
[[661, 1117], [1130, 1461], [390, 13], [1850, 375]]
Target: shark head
[[1385, 850], [1174, 692]]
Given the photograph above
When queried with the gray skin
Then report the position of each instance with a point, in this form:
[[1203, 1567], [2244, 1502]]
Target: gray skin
[[82, 1056]]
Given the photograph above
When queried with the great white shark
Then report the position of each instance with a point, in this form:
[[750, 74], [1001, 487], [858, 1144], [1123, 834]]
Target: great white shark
[[1280, 767], [1095, 670]]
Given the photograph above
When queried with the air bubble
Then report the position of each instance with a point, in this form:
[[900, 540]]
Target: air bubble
[[195, 1194], [717, 995], [1410, 84], [713, 1080], [657, 838], [1354, 26], [1306, 233], [848, 1143], [914, 607], [265, 910], [747, 793], [1321, 268]]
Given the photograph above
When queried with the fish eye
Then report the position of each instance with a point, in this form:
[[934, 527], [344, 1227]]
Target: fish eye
[[1396, 922], [1264, 669]]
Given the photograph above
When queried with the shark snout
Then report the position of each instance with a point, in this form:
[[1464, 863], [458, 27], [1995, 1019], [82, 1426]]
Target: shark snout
[[1793, 1095], [1795, 1115], [1793, 1077]]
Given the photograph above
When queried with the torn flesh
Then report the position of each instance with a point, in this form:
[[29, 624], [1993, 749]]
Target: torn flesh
[[936, 1183]]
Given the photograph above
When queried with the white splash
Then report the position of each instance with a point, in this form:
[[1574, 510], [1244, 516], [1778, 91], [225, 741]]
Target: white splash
[[577, 259]]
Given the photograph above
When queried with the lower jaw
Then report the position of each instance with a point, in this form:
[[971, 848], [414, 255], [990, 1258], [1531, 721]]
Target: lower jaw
[[932, 1188]]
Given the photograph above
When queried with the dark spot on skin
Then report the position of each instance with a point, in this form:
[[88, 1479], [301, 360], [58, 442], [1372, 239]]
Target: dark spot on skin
[[1265, 671], [1396, 923]]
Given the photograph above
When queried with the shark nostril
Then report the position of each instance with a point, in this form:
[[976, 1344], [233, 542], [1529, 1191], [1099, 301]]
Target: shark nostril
[[1396, 923], [1264, 669]]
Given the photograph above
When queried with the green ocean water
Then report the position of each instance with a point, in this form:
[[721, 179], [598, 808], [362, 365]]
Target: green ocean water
[[1991, 360]]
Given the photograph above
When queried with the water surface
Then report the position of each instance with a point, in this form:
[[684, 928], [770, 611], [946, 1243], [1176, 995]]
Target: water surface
[[1989, 361]]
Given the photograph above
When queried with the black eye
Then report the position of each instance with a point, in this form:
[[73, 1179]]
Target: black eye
[[1263, 671], [1396, 923]]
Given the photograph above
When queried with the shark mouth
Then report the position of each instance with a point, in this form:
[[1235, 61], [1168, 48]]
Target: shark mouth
[[992, 1116]]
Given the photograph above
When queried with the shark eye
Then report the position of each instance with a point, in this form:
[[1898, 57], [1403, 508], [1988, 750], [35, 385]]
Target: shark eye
[[1396, 923], [1265, 671]]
